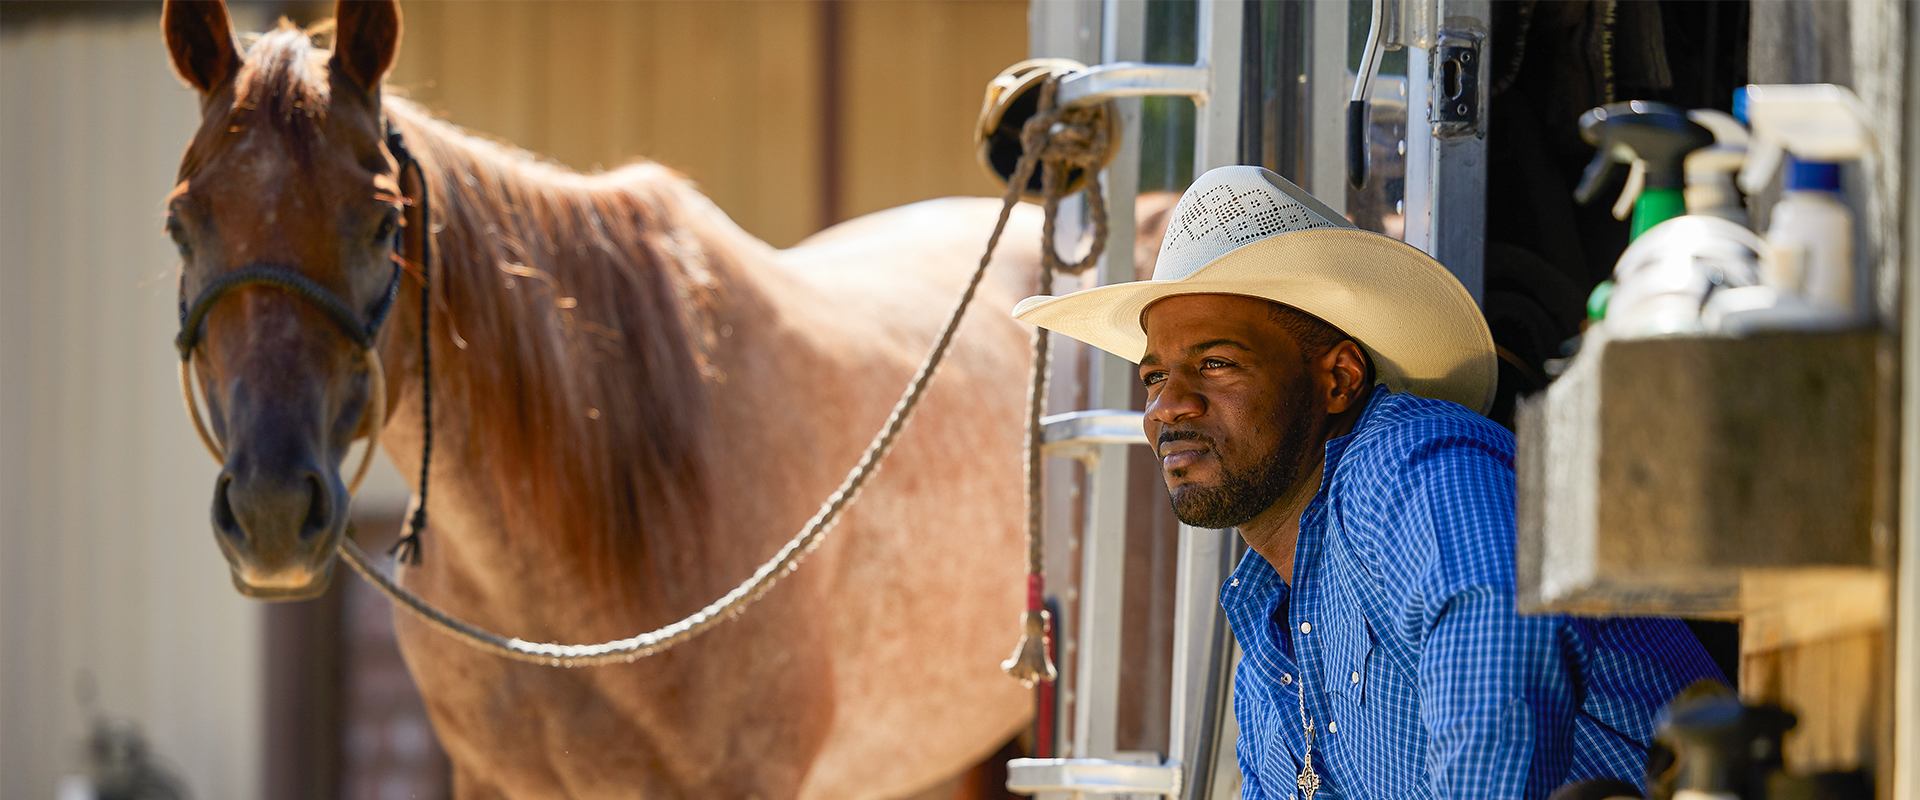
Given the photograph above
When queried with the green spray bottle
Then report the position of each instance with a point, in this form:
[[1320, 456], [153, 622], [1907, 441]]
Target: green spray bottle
[[1653, 139]]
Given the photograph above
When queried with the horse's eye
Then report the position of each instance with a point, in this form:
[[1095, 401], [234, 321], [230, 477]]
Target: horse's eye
[[388, 225], [179, 234]]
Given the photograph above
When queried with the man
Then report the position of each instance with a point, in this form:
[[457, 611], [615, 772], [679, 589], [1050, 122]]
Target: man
[[1317, 387]]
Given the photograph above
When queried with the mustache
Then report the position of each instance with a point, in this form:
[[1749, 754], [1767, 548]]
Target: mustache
[[1171, 435]]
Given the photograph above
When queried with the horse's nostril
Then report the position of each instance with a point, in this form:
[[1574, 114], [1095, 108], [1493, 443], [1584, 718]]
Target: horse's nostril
[[319, 509], [223, 517]]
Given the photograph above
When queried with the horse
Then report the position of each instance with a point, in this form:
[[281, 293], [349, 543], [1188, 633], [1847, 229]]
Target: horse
[[635, 402]]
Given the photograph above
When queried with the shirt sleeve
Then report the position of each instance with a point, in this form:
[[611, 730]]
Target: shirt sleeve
[[1497, 700], [1497, 692]]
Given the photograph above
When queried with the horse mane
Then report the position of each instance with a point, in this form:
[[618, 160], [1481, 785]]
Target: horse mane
[[569, 337]]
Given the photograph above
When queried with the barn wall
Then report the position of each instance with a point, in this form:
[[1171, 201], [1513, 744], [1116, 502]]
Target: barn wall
[[109, 574], [789, 113]]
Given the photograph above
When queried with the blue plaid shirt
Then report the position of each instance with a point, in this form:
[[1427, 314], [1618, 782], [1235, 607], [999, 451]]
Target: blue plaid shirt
[[1420, 679]]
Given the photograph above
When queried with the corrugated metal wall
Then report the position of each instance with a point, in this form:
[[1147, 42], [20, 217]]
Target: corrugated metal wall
[[107, 564]]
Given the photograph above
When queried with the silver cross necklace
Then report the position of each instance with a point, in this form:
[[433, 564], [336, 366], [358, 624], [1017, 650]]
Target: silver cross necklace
[[1309, 781]]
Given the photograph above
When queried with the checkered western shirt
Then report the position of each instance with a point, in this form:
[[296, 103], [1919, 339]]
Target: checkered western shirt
[[1420, 679]]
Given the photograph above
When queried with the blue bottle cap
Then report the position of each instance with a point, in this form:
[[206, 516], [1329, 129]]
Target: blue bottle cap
[[1819, 176]]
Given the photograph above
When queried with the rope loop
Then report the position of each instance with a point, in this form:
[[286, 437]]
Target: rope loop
[[1065, 139]]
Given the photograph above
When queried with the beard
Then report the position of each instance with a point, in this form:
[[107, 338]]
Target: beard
[[1245, 491]]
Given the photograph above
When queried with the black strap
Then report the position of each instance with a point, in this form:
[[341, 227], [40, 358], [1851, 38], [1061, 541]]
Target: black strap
[[408, 548], [305, 287]]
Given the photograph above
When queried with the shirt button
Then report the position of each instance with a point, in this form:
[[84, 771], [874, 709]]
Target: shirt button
[[1333, 727], [1234, 582], [1285, 679], [1306, 627], [1356, 677]]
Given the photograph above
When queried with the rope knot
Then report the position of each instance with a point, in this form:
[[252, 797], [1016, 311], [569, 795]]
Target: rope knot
[[1068, 145]]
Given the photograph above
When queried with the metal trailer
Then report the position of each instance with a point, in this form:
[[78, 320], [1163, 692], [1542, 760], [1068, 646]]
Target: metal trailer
[[1095, 392], [1269, 82]]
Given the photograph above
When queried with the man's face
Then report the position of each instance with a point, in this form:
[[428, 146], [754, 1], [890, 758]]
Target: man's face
[[1230, 406]]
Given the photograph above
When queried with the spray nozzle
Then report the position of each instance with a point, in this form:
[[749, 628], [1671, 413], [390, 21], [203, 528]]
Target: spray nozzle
[[1710, 170], [1654, 138], [1817, 122]]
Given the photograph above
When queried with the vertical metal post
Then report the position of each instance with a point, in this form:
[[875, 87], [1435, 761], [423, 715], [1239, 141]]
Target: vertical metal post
[[1326, 176], [1202, 677], [1103, 549], [1216, 142], [1446, 140], [1202, 647], [1906, 690]]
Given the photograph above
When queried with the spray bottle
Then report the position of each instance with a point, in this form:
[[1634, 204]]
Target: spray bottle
[[1711, 189], [1655, 138], [1676, 261], [1807, 278], [1811, 234]]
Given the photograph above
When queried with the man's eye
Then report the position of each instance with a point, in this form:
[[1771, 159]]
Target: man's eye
[[1215, 363], [1152, 378]]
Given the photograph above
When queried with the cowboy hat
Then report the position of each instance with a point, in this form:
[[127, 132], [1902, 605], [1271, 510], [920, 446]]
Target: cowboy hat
[[1246, 231]]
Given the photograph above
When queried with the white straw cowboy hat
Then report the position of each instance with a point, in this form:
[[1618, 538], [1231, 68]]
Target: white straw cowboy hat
[[1247, 231]]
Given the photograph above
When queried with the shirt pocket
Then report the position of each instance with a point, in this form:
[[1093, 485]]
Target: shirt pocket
[[1349, 658]]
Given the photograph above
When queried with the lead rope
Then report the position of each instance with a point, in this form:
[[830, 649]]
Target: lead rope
[[407, 550], [1054, 135], [1074, 137]]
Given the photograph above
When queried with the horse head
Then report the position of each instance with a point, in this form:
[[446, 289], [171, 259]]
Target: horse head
[[285, 216]]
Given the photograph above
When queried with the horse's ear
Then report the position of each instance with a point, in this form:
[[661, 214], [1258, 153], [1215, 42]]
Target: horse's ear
[[366, 39], [200, 39]]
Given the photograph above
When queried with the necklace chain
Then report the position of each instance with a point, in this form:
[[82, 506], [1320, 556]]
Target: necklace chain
[[1309, 781]]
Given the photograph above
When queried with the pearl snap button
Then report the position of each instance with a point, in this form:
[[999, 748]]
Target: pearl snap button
[[1306, 627], [1286, 679], [1356, 677], [1234, 582], [1333, 727]]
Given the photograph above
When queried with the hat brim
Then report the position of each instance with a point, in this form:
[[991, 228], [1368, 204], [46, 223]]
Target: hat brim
[[1422, 329]]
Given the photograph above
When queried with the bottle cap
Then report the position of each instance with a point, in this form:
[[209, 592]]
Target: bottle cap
[[1820, 176]]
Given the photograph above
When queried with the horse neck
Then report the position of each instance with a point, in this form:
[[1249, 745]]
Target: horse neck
[[570, 333]]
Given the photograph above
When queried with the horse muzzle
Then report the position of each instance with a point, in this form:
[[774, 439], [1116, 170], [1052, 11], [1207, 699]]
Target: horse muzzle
[[279, 529]]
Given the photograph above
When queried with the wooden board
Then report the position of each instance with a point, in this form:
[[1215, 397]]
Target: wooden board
[[735, 95]]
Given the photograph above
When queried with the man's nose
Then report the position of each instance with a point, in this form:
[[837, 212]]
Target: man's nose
[[1175, 401]]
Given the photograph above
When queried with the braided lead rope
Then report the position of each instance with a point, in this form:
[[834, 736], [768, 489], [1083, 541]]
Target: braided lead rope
[[1034, 138], [1076, 137]]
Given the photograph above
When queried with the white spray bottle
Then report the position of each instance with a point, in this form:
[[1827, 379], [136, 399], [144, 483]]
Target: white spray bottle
[[1810, 237], [1710, 170]]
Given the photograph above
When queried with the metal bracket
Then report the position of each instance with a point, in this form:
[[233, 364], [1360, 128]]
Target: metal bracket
[[1456, 85], [1078, 434], [1093, 776], [1104, 82]]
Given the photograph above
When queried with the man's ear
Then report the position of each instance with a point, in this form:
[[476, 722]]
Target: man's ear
[[200, 39], [366, 40], [1346, 364]]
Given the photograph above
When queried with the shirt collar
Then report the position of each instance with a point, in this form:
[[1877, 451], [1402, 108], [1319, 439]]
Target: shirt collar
[[1337, 446], [1255, 588]]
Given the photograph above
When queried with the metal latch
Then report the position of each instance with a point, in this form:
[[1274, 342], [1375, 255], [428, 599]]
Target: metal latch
[[1456, 85], [1083, 776]]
